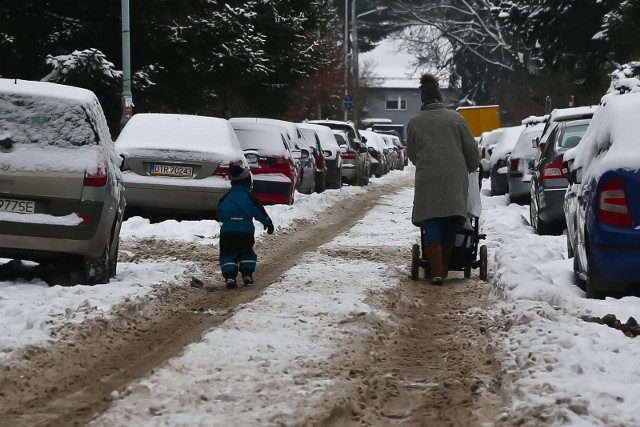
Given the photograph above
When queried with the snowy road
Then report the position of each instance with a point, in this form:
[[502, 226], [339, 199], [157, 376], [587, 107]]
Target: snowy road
[[273, 358]]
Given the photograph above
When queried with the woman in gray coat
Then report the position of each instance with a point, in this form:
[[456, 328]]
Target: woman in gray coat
[[444, 152]]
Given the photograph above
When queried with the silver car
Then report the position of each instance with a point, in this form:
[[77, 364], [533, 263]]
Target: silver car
[[176, 165], [61, 195]]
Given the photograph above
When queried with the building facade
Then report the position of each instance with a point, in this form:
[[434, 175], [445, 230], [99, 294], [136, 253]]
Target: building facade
[[398, 99]]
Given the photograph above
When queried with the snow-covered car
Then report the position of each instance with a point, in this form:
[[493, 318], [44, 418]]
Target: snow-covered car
[[391, 152], [402, 152], [176, 164], [61, 195], [271, 161], [548, 180], [305, 166], [519, 175], [602, 204], [560, 115], [499, 159], [487, 141], [314, 146], [376, 147], [354, 167], [332, 154], [358, 142]]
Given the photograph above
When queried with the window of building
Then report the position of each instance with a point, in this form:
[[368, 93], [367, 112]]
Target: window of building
[[396, 103]]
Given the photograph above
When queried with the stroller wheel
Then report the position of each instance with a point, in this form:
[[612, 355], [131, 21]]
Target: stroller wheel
[[415, 261], [483, 262]]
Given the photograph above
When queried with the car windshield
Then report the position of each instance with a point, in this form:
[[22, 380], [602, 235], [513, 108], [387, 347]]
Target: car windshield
[[43, 122], [572, 136], [262, 141]]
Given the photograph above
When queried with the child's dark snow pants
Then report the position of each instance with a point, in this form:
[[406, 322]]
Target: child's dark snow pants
[[236, 253]]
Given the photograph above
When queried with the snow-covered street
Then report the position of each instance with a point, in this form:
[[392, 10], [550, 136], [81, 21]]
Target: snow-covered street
[[275, 359]]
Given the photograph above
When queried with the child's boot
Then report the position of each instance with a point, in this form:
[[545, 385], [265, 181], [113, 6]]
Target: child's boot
[[247, 278], [231, 282]]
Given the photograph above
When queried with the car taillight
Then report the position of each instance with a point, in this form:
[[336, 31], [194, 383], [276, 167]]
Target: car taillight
[[552, 170], [349, 155], [98, 177], [282, 163], [222, 172], [613, 208], [514, 163]]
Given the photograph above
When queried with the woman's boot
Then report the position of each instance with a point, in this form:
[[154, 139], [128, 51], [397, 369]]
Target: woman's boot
[[446, 255], [434, 256]]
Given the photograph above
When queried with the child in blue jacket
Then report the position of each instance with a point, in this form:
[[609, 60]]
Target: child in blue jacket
[[236, 211]]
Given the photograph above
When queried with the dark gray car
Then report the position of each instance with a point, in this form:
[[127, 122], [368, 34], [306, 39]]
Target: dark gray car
[[61, 194]]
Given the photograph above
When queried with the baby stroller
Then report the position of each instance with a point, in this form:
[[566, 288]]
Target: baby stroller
[[465, 255]]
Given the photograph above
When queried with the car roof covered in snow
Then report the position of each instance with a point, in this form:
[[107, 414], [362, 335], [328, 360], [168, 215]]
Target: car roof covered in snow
[[611, 140], [562, 114], [46, 89], [180, 132], [327, 140], [507, 141]]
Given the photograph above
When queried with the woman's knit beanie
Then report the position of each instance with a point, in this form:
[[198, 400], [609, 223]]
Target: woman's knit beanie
[[429, 89]]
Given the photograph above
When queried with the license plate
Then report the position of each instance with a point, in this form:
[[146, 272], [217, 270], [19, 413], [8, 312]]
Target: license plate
[[171, 170], [17, 206]]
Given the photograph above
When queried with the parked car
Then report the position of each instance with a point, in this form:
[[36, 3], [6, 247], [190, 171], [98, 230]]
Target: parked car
[[271, 161], [376, 147], [316, 150], [332, 153], [548, 181], [176, 165], [560, 115], [499, 159], [519, 174], [602, 204], [358, 140], [354, 166], [487, 141], [391, 152], [402, 152], [305, 166], [61, 194]]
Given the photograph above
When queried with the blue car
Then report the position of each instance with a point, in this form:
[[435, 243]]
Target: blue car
[[602, 202]]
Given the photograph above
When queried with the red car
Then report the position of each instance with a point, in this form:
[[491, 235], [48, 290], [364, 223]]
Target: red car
[[271, 161]]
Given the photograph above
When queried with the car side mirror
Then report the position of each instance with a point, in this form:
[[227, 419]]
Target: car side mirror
[[304, 153], [532, 164], [372, 150], [124, 162], [326, 153], [363, 139], [343, 148], [362, 149]]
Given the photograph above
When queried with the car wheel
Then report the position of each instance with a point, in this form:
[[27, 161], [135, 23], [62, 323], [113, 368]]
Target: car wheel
[[113, 256], [483, 263], [467, 272], [594, 284], [97, 271], [415, 262], [570, 253], [576, 274]]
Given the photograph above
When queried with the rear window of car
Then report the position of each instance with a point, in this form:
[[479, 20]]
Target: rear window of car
[[45, 122], [262, 141], [572, 136]]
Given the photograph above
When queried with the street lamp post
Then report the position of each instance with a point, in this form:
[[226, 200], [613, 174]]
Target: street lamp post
[[346, 54], [127, 96]]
